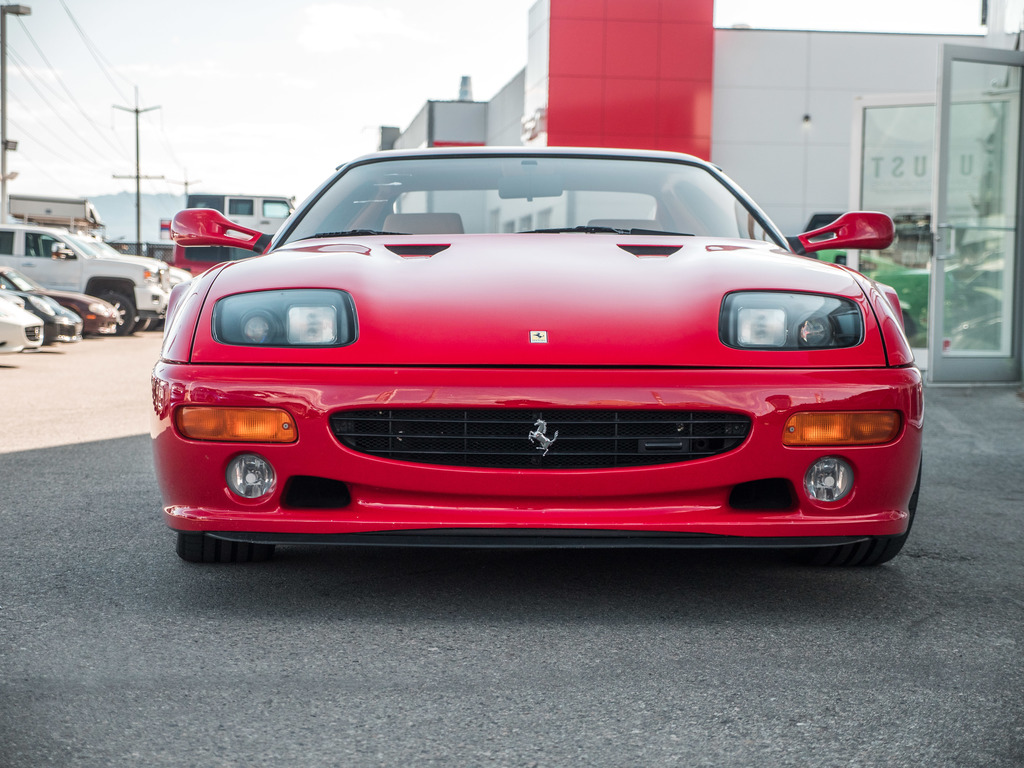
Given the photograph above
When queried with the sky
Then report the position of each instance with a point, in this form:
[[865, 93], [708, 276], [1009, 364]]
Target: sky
[[260, 97]]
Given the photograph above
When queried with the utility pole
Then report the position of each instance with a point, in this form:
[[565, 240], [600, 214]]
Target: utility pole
[[138, 172], [14, 10], [185, 184]]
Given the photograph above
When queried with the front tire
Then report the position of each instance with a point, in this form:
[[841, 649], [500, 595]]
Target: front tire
[[200, 548], [126, 312], [870, 552]]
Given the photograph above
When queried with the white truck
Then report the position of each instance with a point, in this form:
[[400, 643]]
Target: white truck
[[75, 214], [58, 259]]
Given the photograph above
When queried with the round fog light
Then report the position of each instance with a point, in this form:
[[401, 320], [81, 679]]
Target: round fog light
[[250, 476], [828, 479]]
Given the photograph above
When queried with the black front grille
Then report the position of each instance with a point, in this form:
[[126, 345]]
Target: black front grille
[[572, 439], [34, 332]]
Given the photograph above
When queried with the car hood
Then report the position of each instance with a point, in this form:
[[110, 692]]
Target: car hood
[[481, 300], [70, 296], [139, 261]]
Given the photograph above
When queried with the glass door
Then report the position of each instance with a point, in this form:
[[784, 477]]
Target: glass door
[[976, 287], [894, 137]]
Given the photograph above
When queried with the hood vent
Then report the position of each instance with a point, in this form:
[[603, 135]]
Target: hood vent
[[650, 250], [418, 251]]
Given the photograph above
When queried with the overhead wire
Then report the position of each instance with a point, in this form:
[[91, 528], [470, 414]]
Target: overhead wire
[[104, 66], [19, 63], [61, 184], [65, 95], [35, 139], [107, 69], [122, 151]]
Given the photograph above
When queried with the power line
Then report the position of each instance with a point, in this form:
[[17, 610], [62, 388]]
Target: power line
[[107, 69], [35, 140], [67, 91], [94, 51], [58, 182], [19, 62]]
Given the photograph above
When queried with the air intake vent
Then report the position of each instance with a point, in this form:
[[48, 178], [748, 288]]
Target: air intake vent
[[539, 439], [650, 250], [421, 251]]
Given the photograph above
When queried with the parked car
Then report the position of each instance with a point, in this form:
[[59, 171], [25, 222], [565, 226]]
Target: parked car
[[535, 347], [137, 286], [19, 329], [59, 324], [99, 318]]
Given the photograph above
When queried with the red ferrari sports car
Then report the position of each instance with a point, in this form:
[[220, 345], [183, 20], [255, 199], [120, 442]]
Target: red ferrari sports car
[[523, 347]]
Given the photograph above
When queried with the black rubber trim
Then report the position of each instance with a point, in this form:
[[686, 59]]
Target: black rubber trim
[[261, 243], [505, 538]]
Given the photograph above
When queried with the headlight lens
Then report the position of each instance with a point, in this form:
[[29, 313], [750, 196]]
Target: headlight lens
[[787, 321], [289, 318], [828, 479], [41, 305], [251, 476]]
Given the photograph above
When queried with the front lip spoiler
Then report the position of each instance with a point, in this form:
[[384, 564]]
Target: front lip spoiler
[[512, 538]]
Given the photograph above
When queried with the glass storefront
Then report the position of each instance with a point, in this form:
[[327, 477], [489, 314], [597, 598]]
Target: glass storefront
[[957, 209], [896, 178], [981, 209]]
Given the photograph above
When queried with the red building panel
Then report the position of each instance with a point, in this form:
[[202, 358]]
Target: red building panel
[[579, 9], [579, 50], [636, 10], [580, 109], [631, 107], [685, 109], [631, 73], [686, 51], [631, 49]]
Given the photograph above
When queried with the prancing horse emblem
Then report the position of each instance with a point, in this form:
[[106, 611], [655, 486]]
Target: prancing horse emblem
[[539, 436]]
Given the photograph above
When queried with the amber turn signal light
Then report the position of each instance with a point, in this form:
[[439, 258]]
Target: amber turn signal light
[[841, 428], [236, 425]]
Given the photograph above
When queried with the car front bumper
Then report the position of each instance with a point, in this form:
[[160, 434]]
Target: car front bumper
[[151, 301], [682, 501]]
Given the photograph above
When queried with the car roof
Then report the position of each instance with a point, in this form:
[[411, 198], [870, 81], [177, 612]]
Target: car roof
[[37, 228], [640, 154]]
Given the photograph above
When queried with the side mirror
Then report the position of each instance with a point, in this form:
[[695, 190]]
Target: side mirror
[[61, 251], [204, 226], [860, 229]]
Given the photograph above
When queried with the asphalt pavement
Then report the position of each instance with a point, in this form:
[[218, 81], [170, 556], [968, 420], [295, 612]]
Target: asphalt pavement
[[113, 652]]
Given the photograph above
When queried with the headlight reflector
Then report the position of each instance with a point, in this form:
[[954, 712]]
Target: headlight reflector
[[786, 321], [286, 318], [761, 327], [312, 325]]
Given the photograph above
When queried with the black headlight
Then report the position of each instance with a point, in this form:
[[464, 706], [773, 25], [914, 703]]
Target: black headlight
[[290, 318], [786, 321]]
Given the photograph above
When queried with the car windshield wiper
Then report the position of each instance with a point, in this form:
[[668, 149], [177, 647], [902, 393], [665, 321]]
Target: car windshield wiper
[[639, 231], [586, 229], [356, 233], [606, 230]]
